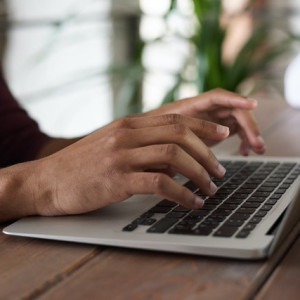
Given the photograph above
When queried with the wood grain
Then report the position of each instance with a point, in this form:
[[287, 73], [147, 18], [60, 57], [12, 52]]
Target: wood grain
[[284, 283], [132, 274], [28, 266]]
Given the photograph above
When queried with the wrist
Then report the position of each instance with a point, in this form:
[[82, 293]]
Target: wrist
[[17, 191]]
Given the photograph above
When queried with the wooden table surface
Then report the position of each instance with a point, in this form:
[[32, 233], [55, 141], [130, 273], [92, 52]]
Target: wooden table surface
[[39, 269]]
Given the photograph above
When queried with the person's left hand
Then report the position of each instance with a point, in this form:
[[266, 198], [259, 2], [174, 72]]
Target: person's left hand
[[225, 108]]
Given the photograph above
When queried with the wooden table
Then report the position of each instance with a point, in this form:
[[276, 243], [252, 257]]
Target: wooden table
[[39, 269]]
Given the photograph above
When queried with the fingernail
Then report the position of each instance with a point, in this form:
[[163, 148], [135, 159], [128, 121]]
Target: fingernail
[[253, 100], [261, 140], [223, 130], [199, 201], [221, 170], [213, 188]]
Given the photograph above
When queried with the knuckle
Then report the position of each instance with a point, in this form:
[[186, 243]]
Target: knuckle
[[122, 122], [180, 129], [202, 173], [211, 157], [158, 182], [114, 139], [202, 125], [169, 151], [172, 118], [218, 90]]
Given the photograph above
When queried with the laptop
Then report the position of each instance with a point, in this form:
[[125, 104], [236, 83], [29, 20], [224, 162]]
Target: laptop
[[255, 210]]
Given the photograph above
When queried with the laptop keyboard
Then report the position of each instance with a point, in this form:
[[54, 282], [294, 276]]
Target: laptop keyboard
[[245, 195]]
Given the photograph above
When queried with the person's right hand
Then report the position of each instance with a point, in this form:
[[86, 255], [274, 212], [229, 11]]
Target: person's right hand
[[132, 155]]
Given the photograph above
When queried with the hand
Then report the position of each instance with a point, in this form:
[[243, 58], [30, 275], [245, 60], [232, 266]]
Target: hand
[[223, 107], [132, 155]]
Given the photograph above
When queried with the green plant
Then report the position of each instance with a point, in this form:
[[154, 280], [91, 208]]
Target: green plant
[[207, 43]]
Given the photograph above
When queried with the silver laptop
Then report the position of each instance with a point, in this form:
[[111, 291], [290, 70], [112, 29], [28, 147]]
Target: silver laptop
[[255, 210]]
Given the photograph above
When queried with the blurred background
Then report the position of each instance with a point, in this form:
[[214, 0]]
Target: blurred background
[[76, 65]]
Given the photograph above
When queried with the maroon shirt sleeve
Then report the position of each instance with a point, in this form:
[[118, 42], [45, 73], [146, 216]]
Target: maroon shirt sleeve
[[20, 137]]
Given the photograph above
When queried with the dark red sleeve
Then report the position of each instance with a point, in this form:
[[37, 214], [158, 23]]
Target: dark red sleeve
[[20, 137]]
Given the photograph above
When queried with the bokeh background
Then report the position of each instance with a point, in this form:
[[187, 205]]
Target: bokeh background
[[76, 65]]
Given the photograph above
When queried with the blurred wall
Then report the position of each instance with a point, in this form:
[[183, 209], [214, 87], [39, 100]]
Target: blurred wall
[[57, 54]]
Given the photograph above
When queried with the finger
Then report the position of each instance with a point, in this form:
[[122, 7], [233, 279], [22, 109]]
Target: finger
[[221, 113], [179, 135], [163, 169], [249, 129], [219, 97], [244, 147], [202, 128], [173, 156], [168, 171], [163, 186]]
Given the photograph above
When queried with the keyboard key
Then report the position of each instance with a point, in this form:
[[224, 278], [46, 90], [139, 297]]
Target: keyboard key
[[199, 212], [148, 221], [269, 184], [213, 202], [191, 186], [289, 181], [285, 186], [147, 215], [261, 194], [246, 210], [266, 207], [271, 201], [211, 224], [229, 206], [240, 216], [255, 220], [130, 227], [160, 209], [208, 206], [256, 199], [245, 191], [138, 221], [180, 208], [234, 201], [225, 191], [265, 189], [226, 231], [249, 226], [251, 205], [194, 218], [204, 230], [261, 213], [215, 218], [234, 222], [249, 186], [280, 191], [223, 212], [175, 214], [243, 234], [276, 196], [239, 196], [181, 230], [166, 203], [189, 221], [162, 225]]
